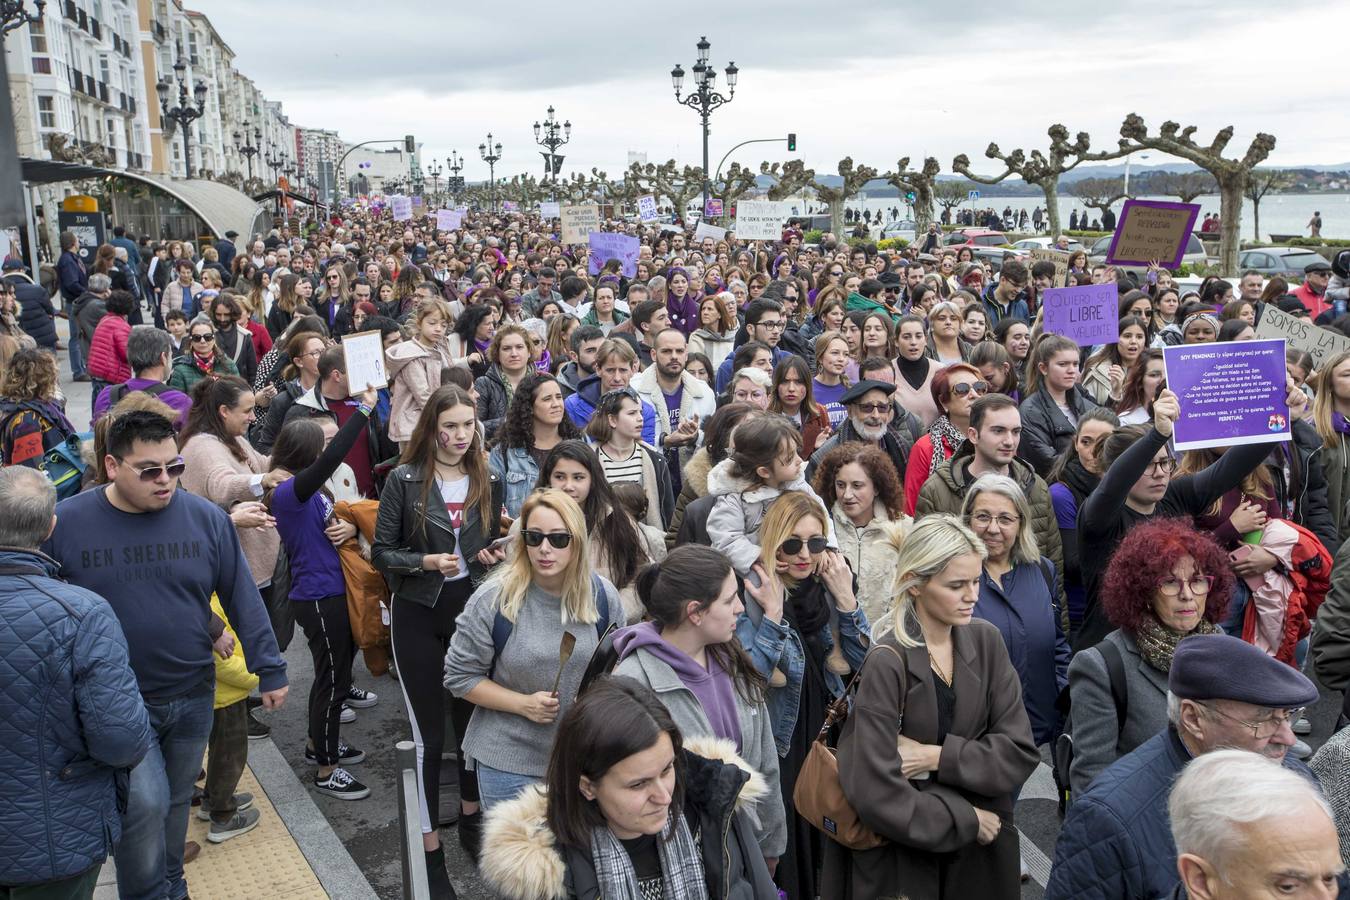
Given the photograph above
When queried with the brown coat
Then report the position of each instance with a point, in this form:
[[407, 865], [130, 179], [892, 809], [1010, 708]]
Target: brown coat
[[931, 824]]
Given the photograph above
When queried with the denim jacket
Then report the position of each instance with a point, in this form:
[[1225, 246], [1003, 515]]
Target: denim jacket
[[518, 472], [777, 645]]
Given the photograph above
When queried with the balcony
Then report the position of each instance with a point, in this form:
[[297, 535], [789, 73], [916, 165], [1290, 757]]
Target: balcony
[[135, 160], [103, 92], [96, 29], [90, 86], [160, 33], [83, 19], [69, 9], [76, 80]]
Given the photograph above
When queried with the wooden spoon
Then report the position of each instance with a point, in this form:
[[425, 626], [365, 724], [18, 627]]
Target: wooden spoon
[[565, 648]]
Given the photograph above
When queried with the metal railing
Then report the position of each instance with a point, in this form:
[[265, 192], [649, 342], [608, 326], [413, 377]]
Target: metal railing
[[410, 824]]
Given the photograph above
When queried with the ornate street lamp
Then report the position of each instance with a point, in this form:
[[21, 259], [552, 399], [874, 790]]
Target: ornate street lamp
[[704, 99], [491, 153], [546, 135], [184, 113]]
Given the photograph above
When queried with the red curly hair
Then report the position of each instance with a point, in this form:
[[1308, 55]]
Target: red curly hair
[[1146, 556]]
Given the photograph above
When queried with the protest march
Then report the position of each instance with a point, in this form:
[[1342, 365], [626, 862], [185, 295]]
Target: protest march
[[636, 543]]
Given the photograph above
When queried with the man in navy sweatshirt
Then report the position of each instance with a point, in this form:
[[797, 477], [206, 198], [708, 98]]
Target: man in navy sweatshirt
[[156, 554]]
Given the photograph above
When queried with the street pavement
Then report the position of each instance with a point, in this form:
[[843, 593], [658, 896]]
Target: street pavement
[[370, 828]]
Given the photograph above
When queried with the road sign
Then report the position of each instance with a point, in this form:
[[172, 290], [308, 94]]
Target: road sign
[[973, 195]]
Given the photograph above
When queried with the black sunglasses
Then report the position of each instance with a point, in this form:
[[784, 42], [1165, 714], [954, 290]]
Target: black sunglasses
[[793, 546], [559, 539], [202, 338]]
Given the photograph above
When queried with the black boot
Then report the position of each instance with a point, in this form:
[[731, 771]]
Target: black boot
[[471, 833], [437, 879]]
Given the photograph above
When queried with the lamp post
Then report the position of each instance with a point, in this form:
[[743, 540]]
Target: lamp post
[[455, 163], [250, 146], [274, 161], [434, 170], [546, 135], [12, 15], [491, 153], [704, 99], [13, 204], [185, 113]]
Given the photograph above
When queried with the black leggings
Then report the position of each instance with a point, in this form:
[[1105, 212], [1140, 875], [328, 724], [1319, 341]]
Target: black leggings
[[329, 633], [420, 638]]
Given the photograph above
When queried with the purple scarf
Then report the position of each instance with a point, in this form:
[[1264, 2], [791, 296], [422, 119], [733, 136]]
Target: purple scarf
[[542, 364], [1340, 423]]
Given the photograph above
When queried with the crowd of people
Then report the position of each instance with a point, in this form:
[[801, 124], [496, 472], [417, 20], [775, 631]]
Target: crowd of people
[[637, 542]]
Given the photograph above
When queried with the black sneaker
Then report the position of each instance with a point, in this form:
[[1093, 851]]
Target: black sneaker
[[253, 702], [342, 785], [347, 756], [257, 730], [359, 699]]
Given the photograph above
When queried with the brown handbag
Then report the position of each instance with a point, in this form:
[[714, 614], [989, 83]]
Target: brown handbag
[[818, 796]]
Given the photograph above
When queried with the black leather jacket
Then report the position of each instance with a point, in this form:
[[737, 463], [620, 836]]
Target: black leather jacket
[[406, 530], [1045, 431]]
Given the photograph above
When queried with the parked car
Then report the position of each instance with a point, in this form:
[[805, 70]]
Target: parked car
[[900, 228], [1286, 262], [1195, 255], [1025, 245], [975, 237]]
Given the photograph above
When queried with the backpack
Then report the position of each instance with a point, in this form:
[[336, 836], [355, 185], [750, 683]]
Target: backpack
[[118, 391], [1310, 573], [1062, 751], [63, 464], [502, 626]]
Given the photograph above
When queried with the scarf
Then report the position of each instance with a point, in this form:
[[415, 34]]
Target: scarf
[[681, 865], [946, 439], [481, 346], [914, 371], [205, 364], [1078, 480], [1340, 423], [1157, 642], [542, 364]]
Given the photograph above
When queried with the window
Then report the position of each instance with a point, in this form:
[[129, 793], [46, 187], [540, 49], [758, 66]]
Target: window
[[37, 36], [46, 112], [104, 69]]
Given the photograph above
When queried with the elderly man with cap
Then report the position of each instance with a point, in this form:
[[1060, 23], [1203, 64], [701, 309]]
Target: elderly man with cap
[[1223, 693], [1245, 827], [871, 415], [1312, 293]]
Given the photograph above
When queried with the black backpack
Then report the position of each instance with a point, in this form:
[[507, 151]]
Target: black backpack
[[1062, 752], [118, 391]]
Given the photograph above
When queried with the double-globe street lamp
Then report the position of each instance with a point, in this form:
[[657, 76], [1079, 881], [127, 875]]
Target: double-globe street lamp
[[546, 135], [434, 170], [248, 145], [491, 153], [454, 184], [704, 99], [185, 113], [12, 15]]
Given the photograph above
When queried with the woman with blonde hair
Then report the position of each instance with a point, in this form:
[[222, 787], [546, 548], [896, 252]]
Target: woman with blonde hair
[[944, 679], [504, 657], [945, 343]]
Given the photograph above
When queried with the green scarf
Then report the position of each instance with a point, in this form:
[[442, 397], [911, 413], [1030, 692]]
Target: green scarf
[[1157, 643]]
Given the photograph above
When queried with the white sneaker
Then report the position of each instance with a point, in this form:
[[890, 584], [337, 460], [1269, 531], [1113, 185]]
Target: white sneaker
[[359, 699], [348, 715]]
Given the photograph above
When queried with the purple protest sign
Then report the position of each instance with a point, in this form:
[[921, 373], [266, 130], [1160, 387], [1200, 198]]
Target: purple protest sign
[[712, 208], [1151, 230], [1230, 393], [1088, 314], [607, 245]]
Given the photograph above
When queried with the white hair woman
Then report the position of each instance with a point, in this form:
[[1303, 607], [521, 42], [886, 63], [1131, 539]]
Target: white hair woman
[[965, 741]]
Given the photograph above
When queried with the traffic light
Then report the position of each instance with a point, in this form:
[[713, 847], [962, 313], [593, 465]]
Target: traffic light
[[792, 143], [409, 144]]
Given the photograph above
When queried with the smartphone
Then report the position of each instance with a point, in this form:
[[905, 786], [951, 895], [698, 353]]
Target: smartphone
[[500, 543]]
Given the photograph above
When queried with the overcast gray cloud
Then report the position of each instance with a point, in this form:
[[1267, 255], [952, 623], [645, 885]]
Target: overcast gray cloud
[[873, 80]]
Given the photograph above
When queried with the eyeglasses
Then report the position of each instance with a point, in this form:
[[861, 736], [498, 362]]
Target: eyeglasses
[[1164, 466], [873, 407], [772, 326], [1199, 585], [1267, 726], [792, 546], [747, 396], [984, 520], [559, 539], [152, 473], [979, 387], [202, 338]]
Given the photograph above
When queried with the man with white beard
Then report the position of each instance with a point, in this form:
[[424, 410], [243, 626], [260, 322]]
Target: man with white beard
[[870, 419]]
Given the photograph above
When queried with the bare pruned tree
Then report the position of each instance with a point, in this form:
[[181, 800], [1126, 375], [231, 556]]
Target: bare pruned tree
[[854, 177], [921, 183], [1099, 193], [1262, 182]]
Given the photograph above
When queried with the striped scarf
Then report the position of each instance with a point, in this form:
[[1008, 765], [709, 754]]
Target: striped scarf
[[681, 865]]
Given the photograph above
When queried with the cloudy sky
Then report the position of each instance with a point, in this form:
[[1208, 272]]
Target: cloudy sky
[[875, 80]]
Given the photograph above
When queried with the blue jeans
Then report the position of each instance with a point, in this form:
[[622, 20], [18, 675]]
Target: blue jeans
[[496, 786], [150, 857]]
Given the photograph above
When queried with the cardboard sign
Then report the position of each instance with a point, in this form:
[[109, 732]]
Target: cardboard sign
[[364, 355], [712, 208], [1152, 229], [607, 245], [1301, 334], [578, 221], [449, 219], [760, 220], [1088, 314], [647, 211], [550, 209], [709, 231], [401, 207], [1230, 393], [1061, 260]]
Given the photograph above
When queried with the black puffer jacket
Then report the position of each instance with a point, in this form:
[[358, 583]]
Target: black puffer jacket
[[492, 400], [1045, 431], [37, 316], [407, 529]]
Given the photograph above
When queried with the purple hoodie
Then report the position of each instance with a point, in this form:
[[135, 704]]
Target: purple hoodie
[[712, 686]]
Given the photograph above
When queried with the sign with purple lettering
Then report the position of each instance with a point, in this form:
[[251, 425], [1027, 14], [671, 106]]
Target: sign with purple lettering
[[1088, 314], [1230, 393], [712, 208], [607, 245], [1151, 230]]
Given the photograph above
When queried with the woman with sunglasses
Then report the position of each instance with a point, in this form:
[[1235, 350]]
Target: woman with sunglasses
[[1166, 581], [504, 655], [303, 509], [439, 512], [793, 591], [203, 358], [955, 389], [615, 430]]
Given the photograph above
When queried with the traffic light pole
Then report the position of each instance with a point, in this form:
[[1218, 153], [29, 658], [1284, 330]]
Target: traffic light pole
[[742, 144], [337, 170]]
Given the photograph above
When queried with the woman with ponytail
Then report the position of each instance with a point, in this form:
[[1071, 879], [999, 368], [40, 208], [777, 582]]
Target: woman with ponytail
[[688, 654]]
